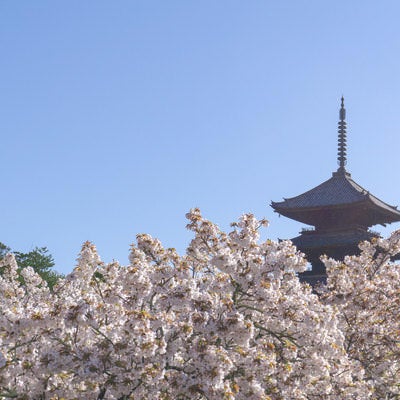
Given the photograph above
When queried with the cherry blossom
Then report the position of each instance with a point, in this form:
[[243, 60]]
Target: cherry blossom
[[227, 320], [366, 291]]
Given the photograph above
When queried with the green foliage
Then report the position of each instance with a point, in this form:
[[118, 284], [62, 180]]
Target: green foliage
[[39, 259], [3, 250]]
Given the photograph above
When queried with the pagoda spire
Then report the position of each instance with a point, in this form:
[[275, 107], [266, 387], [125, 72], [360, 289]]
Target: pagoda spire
[[342, 148]]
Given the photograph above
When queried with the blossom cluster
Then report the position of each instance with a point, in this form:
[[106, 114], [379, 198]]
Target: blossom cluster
[[228, 320]]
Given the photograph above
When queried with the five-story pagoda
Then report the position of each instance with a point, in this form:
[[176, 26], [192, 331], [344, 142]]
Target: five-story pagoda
[[341, 212]]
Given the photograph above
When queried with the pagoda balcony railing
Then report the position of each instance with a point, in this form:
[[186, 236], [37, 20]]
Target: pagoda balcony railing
[[304, 230]]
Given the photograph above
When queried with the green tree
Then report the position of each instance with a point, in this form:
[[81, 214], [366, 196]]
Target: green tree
[[39, 259], [4, 250]]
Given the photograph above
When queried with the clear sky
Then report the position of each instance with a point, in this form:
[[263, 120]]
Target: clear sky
[[117, 117]]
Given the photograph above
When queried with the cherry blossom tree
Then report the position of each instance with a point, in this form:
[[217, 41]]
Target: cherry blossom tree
[[227, 320], [366, 290]]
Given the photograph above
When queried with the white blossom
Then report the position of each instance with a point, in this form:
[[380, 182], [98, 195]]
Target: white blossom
[[229, 320]]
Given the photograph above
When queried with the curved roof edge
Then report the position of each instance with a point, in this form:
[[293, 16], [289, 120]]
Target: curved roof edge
[[339, 190]]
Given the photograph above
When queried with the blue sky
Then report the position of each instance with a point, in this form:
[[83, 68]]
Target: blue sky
[[117, 117]]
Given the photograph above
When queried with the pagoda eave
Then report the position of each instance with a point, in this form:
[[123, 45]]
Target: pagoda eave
[[364, 213], [328, 241]]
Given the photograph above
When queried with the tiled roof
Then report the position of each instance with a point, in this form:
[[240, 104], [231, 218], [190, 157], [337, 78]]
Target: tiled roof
[[338, 190], [310, 240]]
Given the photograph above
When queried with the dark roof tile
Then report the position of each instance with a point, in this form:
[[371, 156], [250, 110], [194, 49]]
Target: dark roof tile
[[338, 190], [312, 240]]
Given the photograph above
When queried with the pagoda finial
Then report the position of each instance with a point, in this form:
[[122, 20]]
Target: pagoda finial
[[342, 149]]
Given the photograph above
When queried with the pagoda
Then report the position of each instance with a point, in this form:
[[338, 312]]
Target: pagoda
[[341, 212]]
